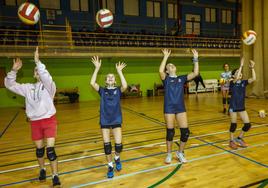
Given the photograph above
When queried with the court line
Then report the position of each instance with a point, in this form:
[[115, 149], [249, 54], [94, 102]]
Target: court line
[[161, 167], [167, 177], [131, 159], [9, 124], [263, 184], [134, 148], [260, 182], [239, 155]]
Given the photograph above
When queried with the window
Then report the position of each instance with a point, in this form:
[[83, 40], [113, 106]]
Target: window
[[153, 9], [172, 11], [226, 16], [131, 7], [14, 2], [50, 4], [79, 5], [210, 15], [109, 4]]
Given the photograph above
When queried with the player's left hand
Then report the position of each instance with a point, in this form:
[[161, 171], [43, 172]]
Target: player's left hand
[[120, 66], [195, 53], [251, 64]]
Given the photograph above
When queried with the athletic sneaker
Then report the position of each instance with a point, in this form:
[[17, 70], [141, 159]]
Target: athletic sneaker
[[56, 181], [118, 164], [42, 175], [232, 144], [181, 157], [168, 158], [110, 173], [241, 142]]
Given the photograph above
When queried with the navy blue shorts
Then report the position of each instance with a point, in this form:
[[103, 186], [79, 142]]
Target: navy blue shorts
[[110, 126]]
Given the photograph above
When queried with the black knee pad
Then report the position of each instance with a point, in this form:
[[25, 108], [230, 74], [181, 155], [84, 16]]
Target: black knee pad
[[51, 154], [224, 101], [246, 127], [107, 148], [228, 100], [40, 152], [118, 147], [185, 133], [233, 127], [170, 134]]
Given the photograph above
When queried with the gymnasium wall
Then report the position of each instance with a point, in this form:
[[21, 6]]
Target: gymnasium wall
[[69, 73]]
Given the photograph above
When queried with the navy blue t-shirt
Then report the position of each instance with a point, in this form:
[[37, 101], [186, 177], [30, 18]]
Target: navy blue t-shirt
[[174, 94], [110, 109], [238, 89]]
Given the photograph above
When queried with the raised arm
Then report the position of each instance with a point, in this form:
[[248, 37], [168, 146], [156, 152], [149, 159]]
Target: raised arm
[[192, 75], [97, 62], [162, 67], [44, 75], [251, 66], [10, 79], [237, 74], [119, 67]]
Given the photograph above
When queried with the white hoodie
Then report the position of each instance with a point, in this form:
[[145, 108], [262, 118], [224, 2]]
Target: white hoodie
[[38, 96]]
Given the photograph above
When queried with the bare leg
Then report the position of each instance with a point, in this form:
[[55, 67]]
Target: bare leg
[[41, 161], [245, 119], [106, 139], [53, 164], [182, 121], [117, 132], [233, 116], [169, 118]]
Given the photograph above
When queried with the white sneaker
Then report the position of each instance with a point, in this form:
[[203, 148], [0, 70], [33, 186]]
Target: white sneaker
[[168, 158], [181, 157]]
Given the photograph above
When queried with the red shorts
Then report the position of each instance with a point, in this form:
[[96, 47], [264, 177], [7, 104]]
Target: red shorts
[[44, 128]]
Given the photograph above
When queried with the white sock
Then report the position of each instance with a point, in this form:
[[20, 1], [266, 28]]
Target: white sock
[[116, 157], [169, 154], [54, 175], [110, 164]]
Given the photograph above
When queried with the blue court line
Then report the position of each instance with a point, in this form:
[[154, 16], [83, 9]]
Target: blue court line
[[239, 155], [127, 160], [8, 125]]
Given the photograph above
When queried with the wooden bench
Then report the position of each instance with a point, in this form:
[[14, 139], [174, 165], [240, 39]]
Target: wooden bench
[[133, 90], [211, 85], [66, 95]]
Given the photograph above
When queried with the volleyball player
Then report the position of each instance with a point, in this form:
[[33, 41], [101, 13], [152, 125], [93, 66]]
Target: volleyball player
[[174, 108], [41, 112], [237, 104], [225, 76], [110, 112]]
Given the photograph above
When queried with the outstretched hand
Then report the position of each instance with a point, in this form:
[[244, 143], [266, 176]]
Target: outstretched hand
[[251, 64], [36, 55], [17, 64], [195, 53], [96, 61], [120, 66], [166, 52]]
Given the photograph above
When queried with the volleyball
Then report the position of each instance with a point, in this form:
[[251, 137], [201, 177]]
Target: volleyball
[[222, 81], [28, 13], [262, 113], [249, 37], [104, 18]]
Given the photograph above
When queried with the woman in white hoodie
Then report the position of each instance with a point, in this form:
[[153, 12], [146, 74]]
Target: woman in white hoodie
[[40, 110]]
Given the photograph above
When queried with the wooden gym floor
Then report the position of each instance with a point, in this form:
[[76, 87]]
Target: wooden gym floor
[[82, 162]]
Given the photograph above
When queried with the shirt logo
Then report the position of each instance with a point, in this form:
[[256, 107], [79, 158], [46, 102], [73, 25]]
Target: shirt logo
[[115, 92], [179, 80]]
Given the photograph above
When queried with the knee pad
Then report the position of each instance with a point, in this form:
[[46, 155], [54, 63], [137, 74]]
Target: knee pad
[[246, 127], [118, 148], [51, 154], [170, 134], [224, 101], [233, 127], [185, 133], [107, 148], [40, 152]]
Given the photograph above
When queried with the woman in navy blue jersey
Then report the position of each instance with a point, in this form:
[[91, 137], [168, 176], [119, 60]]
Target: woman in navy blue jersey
[[174, 108], [110, 112], [237, 104]]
